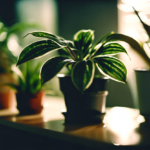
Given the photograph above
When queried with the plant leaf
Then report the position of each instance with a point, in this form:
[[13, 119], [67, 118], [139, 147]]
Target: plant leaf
[[18, 72], [53, 37], [83, 40], [111, 49], [82, 74], [35, 83], [52, 67], [37, 49], [146, 27], [129, 40], [112, 67], [69, 43], [121, 37], [46, 35]]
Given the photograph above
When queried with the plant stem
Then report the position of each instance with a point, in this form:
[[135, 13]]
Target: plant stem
[[71, 53]]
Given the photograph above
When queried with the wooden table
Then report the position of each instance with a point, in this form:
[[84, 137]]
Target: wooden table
[[121, 127]]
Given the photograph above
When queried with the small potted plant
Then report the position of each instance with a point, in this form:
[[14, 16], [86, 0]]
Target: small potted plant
[[7, 59], [29, 92], [84, 59], [6, 94]]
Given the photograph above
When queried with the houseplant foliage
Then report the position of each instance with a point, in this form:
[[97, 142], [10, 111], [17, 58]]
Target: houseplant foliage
[[81, 54], [29, 92], [6, 56], [27, 78], [142, 52], [7, 59]]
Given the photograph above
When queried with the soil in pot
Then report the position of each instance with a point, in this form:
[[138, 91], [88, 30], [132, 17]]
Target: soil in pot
[[84, 108]]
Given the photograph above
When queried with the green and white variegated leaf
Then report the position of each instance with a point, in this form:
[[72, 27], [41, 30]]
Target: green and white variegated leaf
[[53, 37], [120, 37], [129, 40], [83, 40], [82, 74], [52, 67], [112, 67], [68, 43], [37, 49], [44, 35], [111, 49]]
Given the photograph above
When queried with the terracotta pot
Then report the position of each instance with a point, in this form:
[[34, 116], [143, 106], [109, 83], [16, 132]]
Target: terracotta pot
[[84, 108], [7, 95], [28, 104], [7, 99]]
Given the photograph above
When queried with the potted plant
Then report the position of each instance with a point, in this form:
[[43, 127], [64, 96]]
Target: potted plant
[[84, 59], [143, 77], [7, 59], [29, 92], [6, 94]]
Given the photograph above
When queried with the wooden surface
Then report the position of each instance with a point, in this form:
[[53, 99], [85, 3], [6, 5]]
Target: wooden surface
[[121, 126]]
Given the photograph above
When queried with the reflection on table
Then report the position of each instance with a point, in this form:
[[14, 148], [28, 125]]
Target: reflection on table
[[121, 126]]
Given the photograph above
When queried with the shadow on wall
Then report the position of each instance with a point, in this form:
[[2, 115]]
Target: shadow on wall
[[101, 16]]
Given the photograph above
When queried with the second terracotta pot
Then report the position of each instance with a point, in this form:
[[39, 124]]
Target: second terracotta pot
[[29, 104]]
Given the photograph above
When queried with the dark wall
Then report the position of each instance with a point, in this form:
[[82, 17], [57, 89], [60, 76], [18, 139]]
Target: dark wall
[[7, 12], [99, 15]]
